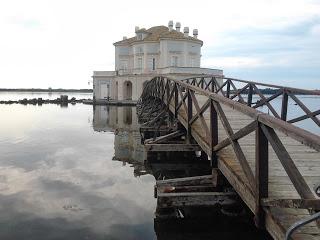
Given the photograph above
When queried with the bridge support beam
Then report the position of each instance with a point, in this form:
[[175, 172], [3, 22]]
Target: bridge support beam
[[214, 134], [189, 116], [261, 176], [172, 147]]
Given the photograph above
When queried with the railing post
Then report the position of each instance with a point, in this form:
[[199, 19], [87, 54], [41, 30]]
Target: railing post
[[214, 134], [228, 89], [176, 100], [249, 102], [189, 116], [168, 91], [213, 83], [202, 82], [284, 107], [262, 175], [161, 88]]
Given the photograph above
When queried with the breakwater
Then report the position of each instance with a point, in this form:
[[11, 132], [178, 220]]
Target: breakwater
[[63, 99]]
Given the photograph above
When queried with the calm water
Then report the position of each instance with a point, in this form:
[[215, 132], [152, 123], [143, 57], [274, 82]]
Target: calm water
[[58, 179], [79, 173], [45, 95]]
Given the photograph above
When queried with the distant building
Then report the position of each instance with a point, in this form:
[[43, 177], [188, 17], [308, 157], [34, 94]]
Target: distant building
[[151, 52]]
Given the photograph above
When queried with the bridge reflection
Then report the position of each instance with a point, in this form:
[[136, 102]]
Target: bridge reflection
[[200, 223]]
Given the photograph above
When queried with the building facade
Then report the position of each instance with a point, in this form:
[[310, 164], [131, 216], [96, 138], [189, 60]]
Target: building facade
[[159, 50]]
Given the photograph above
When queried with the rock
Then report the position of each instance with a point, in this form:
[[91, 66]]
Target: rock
[[64, 98]]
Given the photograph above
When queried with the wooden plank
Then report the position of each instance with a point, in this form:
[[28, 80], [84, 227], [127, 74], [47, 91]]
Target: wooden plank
[[172, 147], [292, 203], [193, 188], [164, 138], [197, 180], [195, 199]]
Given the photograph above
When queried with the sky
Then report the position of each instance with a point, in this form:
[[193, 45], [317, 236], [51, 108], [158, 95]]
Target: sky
[[59, 43]]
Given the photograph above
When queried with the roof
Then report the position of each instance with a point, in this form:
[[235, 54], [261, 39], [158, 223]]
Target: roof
[[156, 33]]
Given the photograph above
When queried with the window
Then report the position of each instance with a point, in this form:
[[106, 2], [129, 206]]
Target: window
[[139, 65], [124, 65], [174, 61], [152, 64]]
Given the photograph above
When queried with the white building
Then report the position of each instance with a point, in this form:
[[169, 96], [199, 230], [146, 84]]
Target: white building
[[151, 52]]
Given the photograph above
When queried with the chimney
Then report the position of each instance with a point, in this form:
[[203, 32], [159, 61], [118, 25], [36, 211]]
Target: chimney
[[186, 31], [124, 37], [178, 26], [170, 25], [195, 33], [136, 29]]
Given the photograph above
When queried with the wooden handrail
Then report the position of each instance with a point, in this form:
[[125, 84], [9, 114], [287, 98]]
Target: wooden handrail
[[307, 138]]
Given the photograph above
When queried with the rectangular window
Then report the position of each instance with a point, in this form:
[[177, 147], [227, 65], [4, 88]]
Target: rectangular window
[[124, 64], [139, 65], [152, 64], [174, 61]]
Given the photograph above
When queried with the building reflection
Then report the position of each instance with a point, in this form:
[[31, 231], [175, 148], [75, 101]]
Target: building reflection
[[127, 142], [128, 148]]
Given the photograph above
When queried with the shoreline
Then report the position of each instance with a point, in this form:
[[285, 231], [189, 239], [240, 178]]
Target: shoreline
[[58, 90]]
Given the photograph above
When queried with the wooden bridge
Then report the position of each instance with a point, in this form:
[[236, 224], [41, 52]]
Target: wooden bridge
[[273, 165]]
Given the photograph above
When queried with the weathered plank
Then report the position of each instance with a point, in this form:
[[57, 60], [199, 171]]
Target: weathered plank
[[195, 199], [164, 138], [187, 181], [292, 203], [172, 147]]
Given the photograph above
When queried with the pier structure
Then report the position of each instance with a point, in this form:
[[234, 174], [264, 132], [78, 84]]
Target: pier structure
[[272, 164]]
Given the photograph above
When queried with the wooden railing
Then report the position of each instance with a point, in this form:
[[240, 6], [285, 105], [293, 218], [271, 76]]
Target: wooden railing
[[243, 92], [182, 97]]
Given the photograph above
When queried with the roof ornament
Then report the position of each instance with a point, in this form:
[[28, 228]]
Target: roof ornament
[[186, 31], [195, 33], [170, 25], [178, 26]]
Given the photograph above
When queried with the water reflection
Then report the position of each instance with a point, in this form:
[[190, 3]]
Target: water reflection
[[58, 180]]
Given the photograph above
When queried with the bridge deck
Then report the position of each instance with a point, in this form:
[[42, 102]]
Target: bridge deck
[[306, 159]]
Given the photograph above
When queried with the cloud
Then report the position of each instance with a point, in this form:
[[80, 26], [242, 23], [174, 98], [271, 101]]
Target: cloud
[[59, 43], [233, 62]]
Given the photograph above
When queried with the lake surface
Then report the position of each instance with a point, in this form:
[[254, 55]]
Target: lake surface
[[5, 96], [79, 173], [58, 179]]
